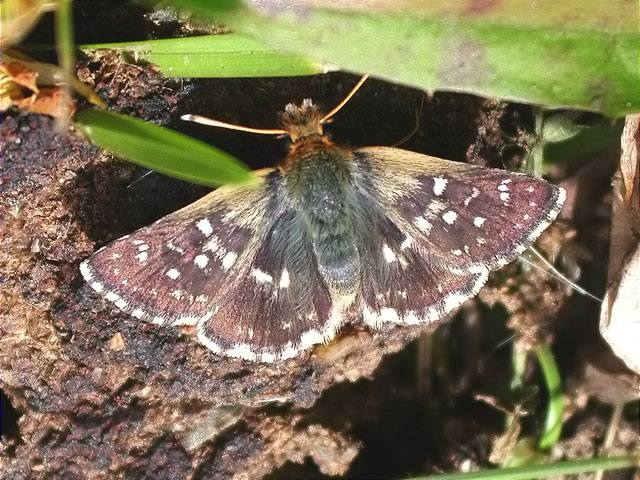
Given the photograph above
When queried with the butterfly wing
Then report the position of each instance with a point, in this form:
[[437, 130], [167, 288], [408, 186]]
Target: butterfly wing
[[468, 216], [222, 264], [443, 225], [402, 285]]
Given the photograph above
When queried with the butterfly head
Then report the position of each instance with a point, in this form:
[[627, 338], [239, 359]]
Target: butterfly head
[[301, 121]]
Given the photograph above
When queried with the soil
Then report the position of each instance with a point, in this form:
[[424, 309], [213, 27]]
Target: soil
[[88, 392]]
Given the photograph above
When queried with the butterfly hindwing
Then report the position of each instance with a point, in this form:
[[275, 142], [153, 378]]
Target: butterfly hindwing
[[278, 305], [402, 285], [471, 217]]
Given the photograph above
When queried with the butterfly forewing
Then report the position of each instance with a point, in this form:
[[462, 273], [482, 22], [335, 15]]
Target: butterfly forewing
[[236, 264], [468, 217], [170, 271]]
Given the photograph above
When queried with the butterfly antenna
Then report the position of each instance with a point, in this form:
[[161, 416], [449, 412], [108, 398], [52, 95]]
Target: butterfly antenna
[[553, 271], [338, 107], [231, 126]]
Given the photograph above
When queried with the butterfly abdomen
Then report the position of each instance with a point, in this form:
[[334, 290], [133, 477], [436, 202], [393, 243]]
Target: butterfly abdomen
[[319, 184]]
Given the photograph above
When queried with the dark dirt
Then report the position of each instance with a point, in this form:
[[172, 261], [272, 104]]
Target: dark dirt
[[88, 392]]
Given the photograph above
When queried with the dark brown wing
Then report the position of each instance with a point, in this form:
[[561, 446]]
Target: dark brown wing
[[402, 285], [441, 227], [235, 264], [467, 216]]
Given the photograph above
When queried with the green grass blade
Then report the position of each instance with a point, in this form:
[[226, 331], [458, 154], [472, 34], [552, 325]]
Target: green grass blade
[[570, 467], [161, 149], [555, 408], [515, 56], [217, 56]]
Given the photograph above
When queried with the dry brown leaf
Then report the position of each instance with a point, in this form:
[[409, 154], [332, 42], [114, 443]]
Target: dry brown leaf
[[620, 314], [629, 163], [21, 86], [18, 17], [20, 90], [20, 74], [53, 101]]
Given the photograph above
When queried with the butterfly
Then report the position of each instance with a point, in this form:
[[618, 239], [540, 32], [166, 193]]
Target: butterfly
[[265, 271]]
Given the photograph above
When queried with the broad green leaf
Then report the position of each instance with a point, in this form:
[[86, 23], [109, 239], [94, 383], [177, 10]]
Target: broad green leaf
[[217, 56], [558, 57], [161, 149]]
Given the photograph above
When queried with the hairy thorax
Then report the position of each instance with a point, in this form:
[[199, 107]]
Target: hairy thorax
[[318, 179]]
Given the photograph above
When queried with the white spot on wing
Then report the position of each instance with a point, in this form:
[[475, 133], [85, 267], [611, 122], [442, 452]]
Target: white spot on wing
[[450, 217], [423, 224], [406, 243], [389, 254], [172, 273], [284, 279], [206, 341], [504, 196], [388, 314], [260, 276], [205, 227], [439, 184], [268, 357], [479, 221], [201, 260], [228, 260], [242, 351], [289, 351], [142, 257]]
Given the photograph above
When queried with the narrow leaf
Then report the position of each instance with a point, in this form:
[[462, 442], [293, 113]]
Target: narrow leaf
[[217, 56], [161, 149]]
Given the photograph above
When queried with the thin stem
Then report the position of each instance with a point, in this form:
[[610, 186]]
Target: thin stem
[[612, 429], [65, 45], [526, 472]]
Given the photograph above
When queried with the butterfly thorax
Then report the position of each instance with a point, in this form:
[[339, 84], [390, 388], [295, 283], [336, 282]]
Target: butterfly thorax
[[318, 183]]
